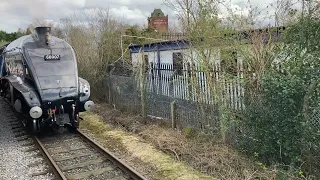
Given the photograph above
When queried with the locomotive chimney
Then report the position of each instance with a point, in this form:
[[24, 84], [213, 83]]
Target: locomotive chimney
[[43, 34]]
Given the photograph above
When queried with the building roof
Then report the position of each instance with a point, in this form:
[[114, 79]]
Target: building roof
[[184, 44], [157, 13], [160, 46]]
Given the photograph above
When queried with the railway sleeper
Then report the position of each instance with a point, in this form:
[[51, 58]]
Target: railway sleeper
[[40, 173], [56, 152], [20, 134], [38, 154], [17, 130], [37, 163], [88, 174], [15, 124], [31, 149], [59, 144], [72, 157], [27, 144], [23, 138], [18, 127], [84, 164]]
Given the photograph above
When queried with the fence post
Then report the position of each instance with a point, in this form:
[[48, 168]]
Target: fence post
[[143, 103], [109, 92], [174, 114], [110, 86], [143, 90]]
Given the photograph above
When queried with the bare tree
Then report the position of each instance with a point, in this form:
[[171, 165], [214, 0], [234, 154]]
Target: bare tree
[[193, 12], [95, 36]]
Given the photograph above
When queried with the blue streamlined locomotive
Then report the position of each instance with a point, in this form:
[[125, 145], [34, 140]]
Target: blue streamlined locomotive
[[39, 77]]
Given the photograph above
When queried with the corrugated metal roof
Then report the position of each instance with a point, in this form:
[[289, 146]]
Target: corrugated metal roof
[[160, 46], [184, 44]]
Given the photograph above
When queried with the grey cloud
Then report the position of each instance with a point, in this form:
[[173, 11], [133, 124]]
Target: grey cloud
[[131, 4], [20, 13], [142, 9]]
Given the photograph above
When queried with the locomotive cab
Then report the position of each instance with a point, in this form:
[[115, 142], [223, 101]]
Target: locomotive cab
[[42, 81]]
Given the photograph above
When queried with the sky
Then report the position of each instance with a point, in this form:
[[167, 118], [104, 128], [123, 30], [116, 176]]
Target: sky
[[20, 13]]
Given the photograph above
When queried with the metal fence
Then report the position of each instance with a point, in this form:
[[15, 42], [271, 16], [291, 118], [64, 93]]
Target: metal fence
[[313, 146], [195, 106], [124, 93], [314, 120]]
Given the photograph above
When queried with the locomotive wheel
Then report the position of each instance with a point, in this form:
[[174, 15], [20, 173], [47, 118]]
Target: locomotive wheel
[[54, 121], [8, 92], [33, 126], [24, 121], [74, 122], [2, 91], [5, 89], [11, 94]]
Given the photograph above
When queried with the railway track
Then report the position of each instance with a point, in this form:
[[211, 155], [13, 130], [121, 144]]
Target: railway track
[[71, 156], [77, 156]]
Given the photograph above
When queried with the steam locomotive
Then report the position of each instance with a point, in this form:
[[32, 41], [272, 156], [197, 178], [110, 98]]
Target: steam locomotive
[[39, 78]]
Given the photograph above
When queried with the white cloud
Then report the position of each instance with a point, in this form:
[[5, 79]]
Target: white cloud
[[20, 13], [130, 14]]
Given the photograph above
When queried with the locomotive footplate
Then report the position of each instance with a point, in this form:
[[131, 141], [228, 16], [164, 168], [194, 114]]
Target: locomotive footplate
[[61, 120]]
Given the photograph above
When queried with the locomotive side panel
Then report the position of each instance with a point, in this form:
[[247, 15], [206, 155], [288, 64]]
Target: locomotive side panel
[[2, 63], [13, 61], [2, 67]]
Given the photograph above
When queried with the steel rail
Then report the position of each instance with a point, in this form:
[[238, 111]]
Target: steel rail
[[122, 165], [60, 175], [54, 167], [117, 162]]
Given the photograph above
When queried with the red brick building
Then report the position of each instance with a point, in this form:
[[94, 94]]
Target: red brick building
[[158, 21]]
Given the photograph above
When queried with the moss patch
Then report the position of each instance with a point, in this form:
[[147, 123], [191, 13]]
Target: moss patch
[[166, 166]]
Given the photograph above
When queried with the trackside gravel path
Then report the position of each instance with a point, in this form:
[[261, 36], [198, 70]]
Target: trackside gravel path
[[16, 161]]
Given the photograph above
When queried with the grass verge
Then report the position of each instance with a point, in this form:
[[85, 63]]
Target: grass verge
[[118, 140], [207, 154]]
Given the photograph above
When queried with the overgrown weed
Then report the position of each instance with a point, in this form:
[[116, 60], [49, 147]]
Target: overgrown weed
[[206, 153]]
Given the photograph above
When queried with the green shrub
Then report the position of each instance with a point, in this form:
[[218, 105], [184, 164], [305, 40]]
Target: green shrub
[[274, 120], [278, 127]]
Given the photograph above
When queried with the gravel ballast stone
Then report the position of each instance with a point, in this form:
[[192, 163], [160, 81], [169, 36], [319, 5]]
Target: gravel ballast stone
[[14, 160]]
